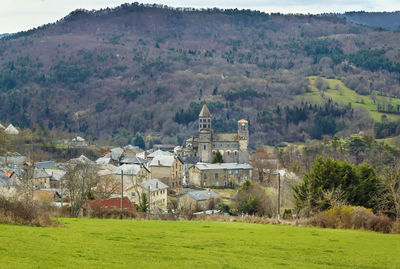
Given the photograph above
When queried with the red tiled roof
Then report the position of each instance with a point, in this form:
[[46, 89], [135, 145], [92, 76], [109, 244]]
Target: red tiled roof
[[112, 204]]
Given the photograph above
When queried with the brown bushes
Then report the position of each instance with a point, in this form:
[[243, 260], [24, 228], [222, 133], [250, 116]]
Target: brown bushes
[[112, 214], [35, 213], [396, 227], [351, 217]]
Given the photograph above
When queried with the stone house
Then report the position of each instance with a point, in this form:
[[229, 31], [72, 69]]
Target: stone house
[[169, 170], [130, 150], [133, 174], [199, 200], [8, 187], [50, 195], [40, 178], [219, 174], [156, 192]]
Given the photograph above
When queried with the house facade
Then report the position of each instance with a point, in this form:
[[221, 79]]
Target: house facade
[[199, 200], [169, 170], [232, 146], [156, 193], [219, 174]]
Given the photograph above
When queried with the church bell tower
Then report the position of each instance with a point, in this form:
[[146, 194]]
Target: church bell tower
[[205, 135]]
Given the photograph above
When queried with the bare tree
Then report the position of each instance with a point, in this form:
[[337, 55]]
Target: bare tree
[[106, 186], [391, 180], [263, 165], [79, 181]]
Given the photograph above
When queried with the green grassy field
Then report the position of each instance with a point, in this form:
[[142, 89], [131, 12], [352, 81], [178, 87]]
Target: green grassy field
[[340, 93], [94, 243]]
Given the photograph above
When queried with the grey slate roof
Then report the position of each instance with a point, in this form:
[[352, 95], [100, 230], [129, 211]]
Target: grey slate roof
[[154, 185], [46, 164], [56, 174], [40, 173], [81, 160], [190, 159], [129, 169], [13, 160], [103, 160], [5, 181], [163, 161], [116, 153], [159, 153], [133, 160], [135, 149], [223, 166], [202, 195], [11, 130]]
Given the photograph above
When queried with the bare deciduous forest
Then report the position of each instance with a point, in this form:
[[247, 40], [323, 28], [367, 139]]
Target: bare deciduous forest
[[112, 73]]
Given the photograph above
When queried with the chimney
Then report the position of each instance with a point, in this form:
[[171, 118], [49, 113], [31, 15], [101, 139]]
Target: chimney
[[157, 185]]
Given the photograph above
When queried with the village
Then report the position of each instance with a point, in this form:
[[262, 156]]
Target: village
[[185, 178]]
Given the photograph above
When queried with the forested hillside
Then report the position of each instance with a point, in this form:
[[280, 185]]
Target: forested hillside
[[111, 73], [385, 20]]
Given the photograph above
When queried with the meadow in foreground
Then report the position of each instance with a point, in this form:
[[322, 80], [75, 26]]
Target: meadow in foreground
[[100, 243]]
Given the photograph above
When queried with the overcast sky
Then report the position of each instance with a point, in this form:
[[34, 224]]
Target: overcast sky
[[19, 15]]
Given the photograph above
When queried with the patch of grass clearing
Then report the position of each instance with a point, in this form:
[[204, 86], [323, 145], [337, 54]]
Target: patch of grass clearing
[[338, 92]]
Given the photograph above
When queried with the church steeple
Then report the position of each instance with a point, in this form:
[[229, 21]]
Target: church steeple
[[205, 119]]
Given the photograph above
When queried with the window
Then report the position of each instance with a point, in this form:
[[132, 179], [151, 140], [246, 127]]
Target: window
[[208, 126], [213, 152], [236, 172], [216, 175], [205, 147], [230, 172], [208, 120], [205, 176]]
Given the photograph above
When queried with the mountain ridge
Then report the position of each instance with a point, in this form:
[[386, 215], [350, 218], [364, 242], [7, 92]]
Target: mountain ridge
[[143, 68]]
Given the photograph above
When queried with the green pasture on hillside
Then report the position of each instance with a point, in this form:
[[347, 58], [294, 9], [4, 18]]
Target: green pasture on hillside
[[96, 243], [338, 92]]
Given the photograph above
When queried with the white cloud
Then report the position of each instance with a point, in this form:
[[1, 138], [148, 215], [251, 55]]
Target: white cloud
[[17, 15]]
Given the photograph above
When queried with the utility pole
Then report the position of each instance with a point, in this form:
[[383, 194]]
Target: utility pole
[[279, 196], [122, 190], [149, 207]]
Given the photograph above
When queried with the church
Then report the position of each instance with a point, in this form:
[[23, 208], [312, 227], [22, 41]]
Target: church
[[232, 146]]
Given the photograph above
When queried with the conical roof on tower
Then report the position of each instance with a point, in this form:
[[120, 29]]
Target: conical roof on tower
[[205, 112]]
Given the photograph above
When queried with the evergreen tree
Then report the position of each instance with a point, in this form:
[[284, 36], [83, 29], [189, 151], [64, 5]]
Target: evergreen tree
[[139, 141], [359, 184], [218, 158]]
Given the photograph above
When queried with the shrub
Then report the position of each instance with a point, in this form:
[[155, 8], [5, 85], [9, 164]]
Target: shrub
[[224, 207], [111, 214], [352, 217], [396, 227], [26, 212]]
